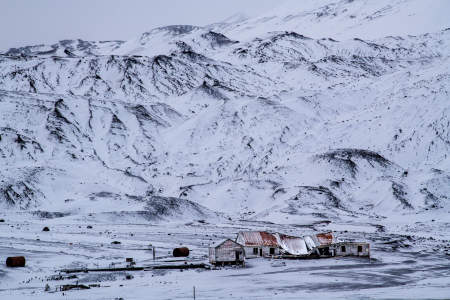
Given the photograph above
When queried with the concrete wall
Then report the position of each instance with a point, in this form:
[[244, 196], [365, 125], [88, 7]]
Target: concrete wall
[[265, 251], [351, 249], [249, 252]]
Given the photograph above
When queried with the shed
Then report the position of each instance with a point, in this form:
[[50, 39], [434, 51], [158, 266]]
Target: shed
[[352, 249], [226, 252], [258, 243]]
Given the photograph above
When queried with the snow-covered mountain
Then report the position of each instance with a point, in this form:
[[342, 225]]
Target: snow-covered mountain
[[331, 109], [345, 19]]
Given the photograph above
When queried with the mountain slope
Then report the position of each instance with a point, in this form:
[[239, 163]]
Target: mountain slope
[[284, 126], [346, 19]]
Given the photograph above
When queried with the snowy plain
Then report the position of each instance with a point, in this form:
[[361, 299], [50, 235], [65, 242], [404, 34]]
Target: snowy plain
[[317, 116]]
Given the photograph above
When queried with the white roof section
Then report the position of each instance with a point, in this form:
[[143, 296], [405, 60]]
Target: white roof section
[[293, 245]]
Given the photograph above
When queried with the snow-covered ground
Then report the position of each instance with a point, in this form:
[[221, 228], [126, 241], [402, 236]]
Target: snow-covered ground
[[402, 266], [319, 115]]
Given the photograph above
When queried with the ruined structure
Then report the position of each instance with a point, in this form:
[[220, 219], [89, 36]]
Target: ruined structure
[[351, 249], [277, 245]]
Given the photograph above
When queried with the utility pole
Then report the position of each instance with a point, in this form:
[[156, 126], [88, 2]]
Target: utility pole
[[153, 251], [194, 292]]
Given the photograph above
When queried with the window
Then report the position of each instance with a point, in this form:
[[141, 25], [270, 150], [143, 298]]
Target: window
[[342, 248], [359, 248], [272, 251], [255, 251]]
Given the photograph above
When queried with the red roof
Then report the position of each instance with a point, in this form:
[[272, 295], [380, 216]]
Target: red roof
[[325, 238], [257, 238]]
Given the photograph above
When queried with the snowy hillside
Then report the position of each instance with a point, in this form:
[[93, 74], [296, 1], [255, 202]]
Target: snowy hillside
[[346, 19], [238, 121]]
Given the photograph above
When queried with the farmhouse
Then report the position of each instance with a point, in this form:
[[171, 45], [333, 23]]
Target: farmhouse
[[226, 252], [258, 243]]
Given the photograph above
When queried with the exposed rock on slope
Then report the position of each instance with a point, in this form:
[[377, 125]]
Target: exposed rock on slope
[[276, 125]]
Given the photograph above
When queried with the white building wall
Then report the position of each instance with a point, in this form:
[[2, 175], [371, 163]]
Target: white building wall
[[226, 253], [351, 249], [249, 251], [265, 251]]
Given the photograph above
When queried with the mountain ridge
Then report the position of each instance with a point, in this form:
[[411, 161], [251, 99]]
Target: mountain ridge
[[277, 125]]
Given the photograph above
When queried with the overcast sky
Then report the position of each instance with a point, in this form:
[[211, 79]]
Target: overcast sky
[[29, 22]]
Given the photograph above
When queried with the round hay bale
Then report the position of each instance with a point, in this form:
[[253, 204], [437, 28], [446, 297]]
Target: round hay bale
[[15, 261]]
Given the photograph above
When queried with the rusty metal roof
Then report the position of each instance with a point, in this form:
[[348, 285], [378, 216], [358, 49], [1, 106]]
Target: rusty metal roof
[[297, 245], [257, 238], [325, 238]]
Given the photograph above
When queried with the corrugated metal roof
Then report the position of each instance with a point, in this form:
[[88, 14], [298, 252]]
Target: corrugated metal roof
[[310, 242], [257, 238], [325, 238], [292, 244]]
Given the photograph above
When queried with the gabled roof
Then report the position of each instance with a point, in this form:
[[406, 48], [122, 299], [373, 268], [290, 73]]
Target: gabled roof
[[220, 242], [320, 239], [325, 238], [257, 238], [291, 244]]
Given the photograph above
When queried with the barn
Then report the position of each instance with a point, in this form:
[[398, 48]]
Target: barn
[[258, 243], [226, 252]]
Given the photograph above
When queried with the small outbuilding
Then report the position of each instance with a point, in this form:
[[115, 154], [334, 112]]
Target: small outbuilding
[[258, 244], [226, 252], [352, 249]]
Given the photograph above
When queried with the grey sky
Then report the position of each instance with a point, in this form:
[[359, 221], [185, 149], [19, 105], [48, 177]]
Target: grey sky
[[28, 22]]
